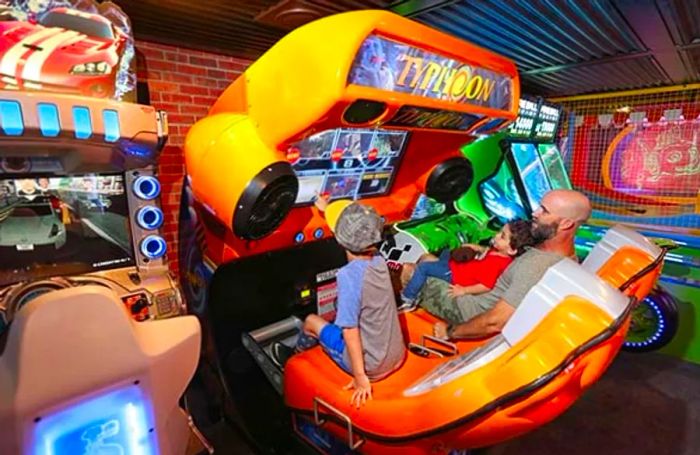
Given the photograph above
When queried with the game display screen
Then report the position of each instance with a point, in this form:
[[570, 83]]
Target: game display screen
[[545, 127], [532, 172], [523, 126], [558, 178], [346, 163], [62, 225], [501, 197]]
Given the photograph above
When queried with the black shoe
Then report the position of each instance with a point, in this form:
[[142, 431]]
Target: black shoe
[[280, 353]]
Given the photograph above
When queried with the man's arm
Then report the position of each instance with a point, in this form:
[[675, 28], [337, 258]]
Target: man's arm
[[483, 325], [360, 382]]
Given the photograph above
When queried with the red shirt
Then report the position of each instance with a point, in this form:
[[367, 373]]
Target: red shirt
[[479, 271]]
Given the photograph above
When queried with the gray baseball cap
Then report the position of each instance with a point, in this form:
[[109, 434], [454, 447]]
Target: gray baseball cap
[[358, 227]]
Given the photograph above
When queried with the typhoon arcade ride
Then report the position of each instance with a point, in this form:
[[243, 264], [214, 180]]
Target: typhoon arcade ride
[[92, 359], [378, 115]]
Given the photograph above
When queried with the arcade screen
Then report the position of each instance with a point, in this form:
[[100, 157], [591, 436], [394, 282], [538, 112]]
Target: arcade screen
[[62, 225], [545, 127], [346, 163], [501, 197], [558, 178], [523, 126], [532, 172]]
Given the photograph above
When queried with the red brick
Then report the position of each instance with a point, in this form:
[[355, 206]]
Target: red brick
[[194, 90], [204, 100], [161, 86], [200, 61], [190, 69], [159, 65], [195, 110], [217, 74], [176, 57], [170, 108], [177, 77], [233, 65], [177, 97], [181, 118]]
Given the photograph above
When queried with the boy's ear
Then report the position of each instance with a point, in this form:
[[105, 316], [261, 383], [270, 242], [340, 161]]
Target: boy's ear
[[512, 251]]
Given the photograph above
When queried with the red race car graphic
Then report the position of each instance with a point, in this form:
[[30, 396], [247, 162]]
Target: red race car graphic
[[66, 51]]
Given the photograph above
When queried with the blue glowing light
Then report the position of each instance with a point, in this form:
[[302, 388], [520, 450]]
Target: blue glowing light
[[299, 237], [110, 119], [150, 217], [318, 233], [659, 328], [153, 247], [48, 119], [147, 187], [82, 122], [11, 118], [119, 421]]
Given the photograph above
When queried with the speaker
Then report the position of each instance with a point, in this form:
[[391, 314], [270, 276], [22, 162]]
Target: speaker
[[450, 179], [265, 202]]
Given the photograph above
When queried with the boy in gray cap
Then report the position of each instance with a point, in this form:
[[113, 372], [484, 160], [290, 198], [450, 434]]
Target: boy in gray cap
[[365, 339]]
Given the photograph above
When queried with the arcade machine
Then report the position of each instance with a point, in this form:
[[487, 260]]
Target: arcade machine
[[372, 114], [86, 298]]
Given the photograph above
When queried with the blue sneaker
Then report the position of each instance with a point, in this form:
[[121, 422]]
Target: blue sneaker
[[305, 342]]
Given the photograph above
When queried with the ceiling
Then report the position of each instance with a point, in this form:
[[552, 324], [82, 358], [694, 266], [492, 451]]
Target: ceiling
[[561, 47]]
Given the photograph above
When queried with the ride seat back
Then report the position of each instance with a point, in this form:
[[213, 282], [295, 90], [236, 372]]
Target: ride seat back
[[563, 279], [620, 255], [77, 375]]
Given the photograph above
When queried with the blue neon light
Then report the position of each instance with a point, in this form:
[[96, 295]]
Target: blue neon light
[[318, 233], [117, 422], [299, 237], [153, 247], [659, 329], [150, 217], [110, 119], [48, 119], [11, 118], [147, 187], [82, 122]]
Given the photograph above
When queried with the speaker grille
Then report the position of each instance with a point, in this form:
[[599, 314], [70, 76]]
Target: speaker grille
[[450, 180], [266, 201]]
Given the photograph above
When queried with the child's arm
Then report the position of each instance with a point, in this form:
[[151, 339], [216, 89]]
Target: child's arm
[[457, 290], [360, 382]]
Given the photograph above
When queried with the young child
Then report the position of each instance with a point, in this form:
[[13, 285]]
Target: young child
[[365, 339], [473, 276]]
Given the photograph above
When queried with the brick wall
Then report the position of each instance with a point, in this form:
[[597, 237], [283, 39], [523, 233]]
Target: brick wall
[[185, 83]]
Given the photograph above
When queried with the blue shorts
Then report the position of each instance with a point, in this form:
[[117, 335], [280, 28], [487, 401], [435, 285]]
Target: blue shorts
[[332, 341]]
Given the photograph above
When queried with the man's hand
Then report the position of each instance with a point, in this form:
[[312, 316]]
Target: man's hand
[[456, 290], [363, 390], [322, 201], [440, 330]]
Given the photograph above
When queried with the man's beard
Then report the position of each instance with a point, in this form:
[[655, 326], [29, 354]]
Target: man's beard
[[542, 232]]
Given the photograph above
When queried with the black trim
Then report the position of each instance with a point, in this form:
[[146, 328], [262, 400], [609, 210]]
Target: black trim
[[271, 193], [501, 402]]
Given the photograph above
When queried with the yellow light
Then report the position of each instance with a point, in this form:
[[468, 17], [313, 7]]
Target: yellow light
[[305, 293]]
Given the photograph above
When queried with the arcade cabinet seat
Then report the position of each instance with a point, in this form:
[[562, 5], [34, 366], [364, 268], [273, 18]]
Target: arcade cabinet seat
[[558, 342], [78, 375], [627, 260]]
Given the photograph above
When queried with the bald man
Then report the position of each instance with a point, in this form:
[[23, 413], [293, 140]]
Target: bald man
[[555, 222]]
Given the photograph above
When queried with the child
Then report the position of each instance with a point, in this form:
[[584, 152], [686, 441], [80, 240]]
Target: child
[[365, 339], [472, 276]]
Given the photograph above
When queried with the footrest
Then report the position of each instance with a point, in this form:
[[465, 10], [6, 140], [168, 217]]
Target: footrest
[[259, 341]]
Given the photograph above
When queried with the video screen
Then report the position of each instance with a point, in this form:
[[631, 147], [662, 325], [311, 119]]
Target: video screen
[[532, 172], [547, 122], [347, 163], [558, 178], [501, 197], [523, 126], [63, 225]]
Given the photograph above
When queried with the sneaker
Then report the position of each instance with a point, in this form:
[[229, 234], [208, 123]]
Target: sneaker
[[408, 305], [305, 342], [280, 353]]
